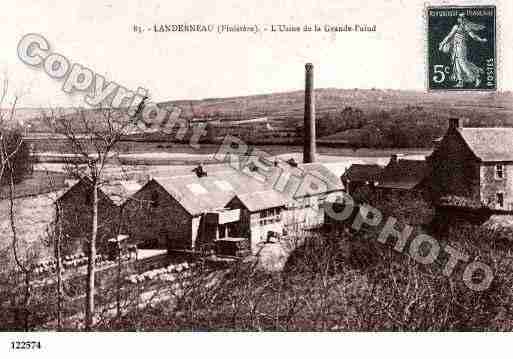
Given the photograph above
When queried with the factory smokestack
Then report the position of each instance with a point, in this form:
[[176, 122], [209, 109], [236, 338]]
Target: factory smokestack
[[309, 125]]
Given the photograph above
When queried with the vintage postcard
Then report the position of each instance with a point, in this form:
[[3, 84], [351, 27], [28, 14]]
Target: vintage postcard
[[264, 166]]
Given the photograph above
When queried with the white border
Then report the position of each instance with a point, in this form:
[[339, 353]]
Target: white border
[[261, 345]]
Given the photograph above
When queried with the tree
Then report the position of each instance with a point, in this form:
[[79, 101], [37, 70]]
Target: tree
[[54, 238], [15, 155], [91, 137], [13, 152]]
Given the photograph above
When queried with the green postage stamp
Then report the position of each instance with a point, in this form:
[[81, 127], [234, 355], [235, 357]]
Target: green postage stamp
[[461, 52]]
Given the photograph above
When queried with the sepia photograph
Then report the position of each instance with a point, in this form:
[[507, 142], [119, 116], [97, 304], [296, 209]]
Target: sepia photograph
[[319, 173]]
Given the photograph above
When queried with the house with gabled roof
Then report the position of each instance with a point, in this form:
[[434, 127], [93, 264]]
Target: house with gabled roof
[[474, 165], [261, 214], [404, 175], [75, 212], [308, 185], [191, 212], [318, 183]]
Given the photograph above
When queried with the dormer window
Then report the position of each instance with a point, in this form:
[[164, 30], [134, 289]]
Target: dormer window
[[499, 171]]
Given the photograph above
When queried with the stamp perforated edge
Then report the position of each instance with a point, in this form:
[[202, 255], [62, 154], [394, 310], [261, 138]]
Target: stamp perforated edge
[[497, 4]]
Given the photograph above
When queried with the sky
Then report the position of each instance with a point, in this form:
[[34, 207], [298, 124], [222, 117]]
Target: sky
[[172, 66]]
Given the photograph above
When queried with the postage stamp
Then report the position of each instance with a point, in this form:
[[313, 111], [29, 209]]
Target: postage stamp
[[461, 52]]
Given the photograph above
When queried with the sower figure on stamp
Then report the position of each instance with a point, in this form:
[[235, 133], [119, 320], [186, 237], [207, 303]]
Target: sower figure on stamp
[[455, 43]]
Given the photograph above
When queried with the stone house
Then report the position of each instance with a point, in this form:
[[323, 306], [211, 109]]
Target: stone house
[[75, 212], [188, 212], [193, 212], [474, 165], [404, 176]]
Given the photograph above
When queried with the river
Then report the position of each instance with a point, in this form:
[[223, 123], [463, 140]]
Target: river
[[179, 159]]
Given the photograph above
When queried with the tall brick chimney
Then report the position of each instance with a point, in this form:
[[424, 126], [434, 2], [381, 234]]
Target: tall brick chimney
[[309, 151]]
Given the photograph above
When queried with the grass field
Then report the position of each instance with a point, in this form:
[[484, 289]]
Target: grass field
[[33, 215], [38, 182]]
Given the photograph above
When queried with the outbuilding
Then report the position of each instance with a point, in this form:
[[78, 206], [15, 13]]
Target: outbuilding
[[75, 213]]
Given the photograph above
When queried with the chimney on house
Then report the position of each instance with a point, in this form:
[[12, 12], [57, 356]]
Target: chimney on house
[[200, 172], [309, 151], [454, 123]]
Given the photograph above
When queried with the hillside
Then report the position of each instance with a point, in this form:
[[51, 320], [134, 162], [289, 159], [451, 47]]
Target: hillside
[[371, 118], [288, 106]]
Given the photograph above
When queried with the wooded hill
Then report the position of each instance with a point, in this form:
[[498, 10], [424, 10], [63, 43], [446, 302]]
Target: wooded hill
[[366, 118]]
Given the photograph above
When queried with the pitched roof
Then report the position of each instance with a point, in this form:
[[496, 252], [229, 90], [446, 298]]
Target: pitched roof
[[293, 181], [362, 173], [256, 201], [324, 173], [117, 192], [200, 194], [403, 174], [489, 143]]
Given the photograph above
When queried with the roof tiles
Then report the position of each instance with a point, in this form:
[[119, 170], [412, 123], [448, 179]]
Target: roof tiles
[[490, 144]]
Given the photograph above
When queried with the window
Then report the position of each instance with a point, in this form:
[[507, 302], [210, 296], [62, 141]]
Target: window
[[270, 215], [499, 171], [500, 199]]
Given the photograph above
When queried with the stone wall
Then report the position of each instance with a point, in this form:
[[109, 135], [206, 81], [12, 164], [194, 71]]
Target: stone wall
[[491, 185], [153, 218], [455, 169], [76, 215]]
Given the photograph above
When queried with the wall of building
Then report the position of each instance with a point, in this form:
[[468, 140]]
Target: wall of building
[[204, 234], [455, 169], [308, 212], [196, 232], [241, 228], [253, 226], [491, 185], [153, 217], [76, 214], [259, 230]]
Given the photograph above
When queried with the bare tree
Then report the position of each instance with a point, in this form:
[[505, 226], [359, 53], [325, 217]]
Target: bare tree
[[91, 136], [8, 153], [54, 239]]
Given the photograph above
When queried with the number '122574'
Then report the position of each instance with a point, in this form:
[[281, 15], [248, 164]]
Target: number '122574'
[[20, 345]]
